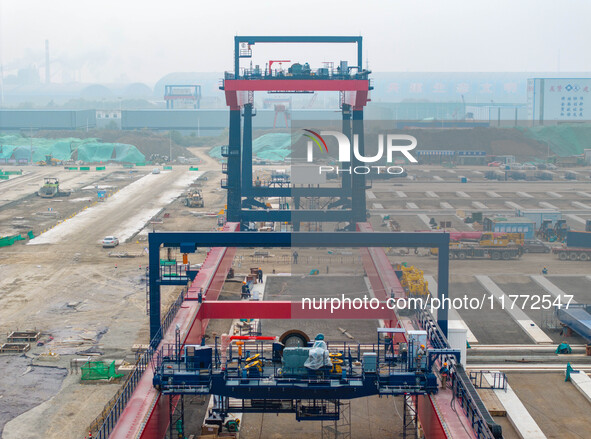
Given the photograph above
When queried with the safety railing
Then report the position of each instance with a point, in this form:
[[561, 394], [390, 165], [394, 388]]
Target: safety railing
[[480, 382], [463, 389], [105, 423]]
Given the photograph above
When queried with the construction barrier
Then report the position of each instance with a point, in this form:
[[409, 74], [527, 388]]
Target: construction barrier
[[9, 240], [4, 177], [101, 168], [140, 164], [85, 168], [168, 168], [99, 370], [73, 168], [128, 165], [193, 168]]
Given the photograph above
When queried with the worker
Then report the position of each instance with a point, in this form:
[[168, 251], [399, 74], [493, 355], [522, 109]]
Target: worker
[[295, 257], [245, 291], [444, 372], [545, 270], [260, 274], [420, 355]]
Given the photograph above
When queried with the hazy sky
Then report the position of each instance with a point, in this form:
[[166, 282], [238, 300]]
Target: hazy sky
[[132, 40]]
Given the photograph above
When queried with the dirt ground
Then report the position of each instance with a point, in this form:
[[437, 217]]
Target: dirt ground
[[88, 304]]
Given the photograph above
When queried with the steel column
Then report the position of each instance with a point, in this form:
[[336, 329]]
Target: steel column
[[358, 204], [247, 148], [234, 193], [346, 178], [443, 284], [154, 285]]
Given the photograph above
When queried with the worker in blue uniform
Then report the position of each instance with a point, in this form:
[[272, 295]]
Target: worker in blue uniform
[[545, 270], [260, 274], [444, 372], [245, 291]]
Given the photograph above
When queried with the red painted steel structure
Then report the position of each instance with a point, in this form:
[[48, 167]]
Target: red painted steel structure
[[439, 421], [356, 91], [146, 415]]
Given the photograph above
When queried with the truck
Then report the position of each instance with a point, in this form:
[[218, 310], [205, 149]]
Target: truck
[[194, 198], [576, 248], [485, 245], [51, 189]]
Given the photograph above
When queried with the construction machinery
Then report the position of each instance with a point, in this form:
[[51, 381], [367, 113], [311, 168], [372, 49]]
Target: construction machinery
[[194, 198], [49, 161], [412, 280], [479, 245], [51, 189], [576, 248], [550, 233]]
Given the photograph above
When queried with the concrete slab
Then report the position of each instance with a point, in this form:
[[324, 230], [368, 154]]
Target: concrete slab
[[549, 287], [400, 194], [526, 426], [554, 194], [453, 315], [377, 206], [425, 219], [445, 205], [411, 206], [479, 205], [581, 205], [583, 384], [548, 205], [560, 411], [492, 194], [533, 330], [370, 195], [578, 286], [513, 205], [576, 218], [583, 194], [490, 326], [298, 287], [523, 195], [431, 194], [462, 194], [437, 178]]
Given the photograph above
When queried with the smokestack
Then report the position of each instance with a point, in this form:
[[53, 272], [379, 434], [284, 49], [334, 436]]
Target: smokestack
[[47, 71]]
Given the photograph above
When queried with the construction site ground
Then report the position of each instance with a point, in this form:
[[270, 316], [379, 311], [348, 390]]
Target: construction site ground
[[88, 304]]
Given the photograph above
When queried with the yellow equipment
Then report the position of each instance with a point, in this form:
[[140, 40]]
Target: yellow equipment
[[413, 281], [258, 364], [253, 357], [336, 361], [488, 239]]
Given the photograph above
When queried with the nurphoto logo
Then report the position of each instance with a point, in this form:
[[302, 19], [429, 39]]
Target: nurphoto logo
[[394, 143]]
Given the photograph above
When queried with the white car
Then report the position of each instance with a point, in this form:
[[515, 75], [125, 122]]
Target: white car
[[110, 241], [156, 171]]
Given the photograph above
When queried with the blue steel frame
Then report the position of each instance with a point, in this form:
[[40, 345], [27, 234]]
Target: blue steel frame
[[189, 241], [196, 95], [252, 40], [239, 165]]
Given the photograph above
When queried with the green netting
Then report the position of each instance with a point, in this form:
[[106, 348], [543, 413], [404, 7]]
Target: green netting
[[88, 150], [564, 140], [271, 146], [99, 370]]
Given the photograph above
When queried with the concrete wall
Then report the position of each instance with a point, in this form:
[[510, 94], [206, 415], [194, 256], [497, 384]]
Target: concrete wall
[[17, 120]]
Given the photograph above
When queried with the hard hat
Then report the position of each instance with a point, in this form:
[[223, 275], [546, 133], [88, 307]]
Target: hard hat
[[259, 268], [244, 282], [320, 336], [445, 364], [423, 346]]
